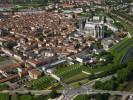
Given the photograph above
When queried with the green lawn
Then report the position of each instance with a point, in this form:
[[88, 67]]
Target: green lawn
[[4, 87], [84, 14], [82, 97], [79, 83], [119, 44], [120, 49], [41, 83], [31, 4], [3, 58], [4, 96], [71, 72], [28, 97]]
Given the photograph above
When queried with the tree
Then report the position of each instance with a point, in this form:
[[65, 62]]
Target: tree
[[122, 74], [79, 83], [122, 86], [108, 32], [53, 94], [98, 85], [102, 96], [10, 44]]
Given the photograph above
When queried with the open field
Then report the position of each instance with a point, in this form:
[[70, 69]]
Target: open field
[[79, 83], [42, 83], [4, 96], [4, 87], [31, 4], [3, 58], [82, 97], [72, 72]]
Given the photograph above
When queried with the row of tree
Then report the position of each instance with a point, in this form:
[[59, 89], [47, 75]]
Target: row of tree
[[119, 82]]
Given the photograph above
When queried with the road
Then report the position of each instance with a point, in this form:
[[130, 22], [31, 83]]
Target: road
[[69, 93], [86, 88]]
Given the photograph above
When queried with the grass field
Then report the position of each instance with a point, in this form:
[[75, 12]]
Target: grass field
[[3, 58], [31, 4], [4, 87], [120, 49], [28, 97], [79, 83], [71, 72], [82, 97], [42, 83], [4, 96]]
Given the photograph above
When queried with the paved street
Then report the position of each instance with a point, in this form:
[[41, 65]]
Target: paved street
[[69, 92]]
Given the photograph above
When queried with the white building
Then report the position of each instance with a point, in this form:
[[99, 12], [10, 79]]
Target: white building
[[94, 29]]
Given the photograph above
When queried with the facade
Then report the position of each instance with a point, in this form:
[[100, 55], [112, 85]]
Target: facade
[[94, 29], [34, 73]]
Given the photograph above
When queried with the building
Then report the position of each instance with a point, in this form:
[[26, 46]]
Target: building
[[94, 29], [34, 73], [83, 58], [107, 43]]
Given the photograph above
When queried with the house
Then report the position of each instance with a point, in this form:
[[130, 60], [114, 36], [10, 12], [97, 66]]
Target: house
[[34, 73], [41, 61], [78, 10], [111, 27], [107, 43], [82, 58], [36, 63]]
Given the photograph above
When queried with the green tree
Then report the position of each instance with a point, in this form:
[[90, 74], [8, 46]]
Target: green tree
[[54, 94], [122, 74]]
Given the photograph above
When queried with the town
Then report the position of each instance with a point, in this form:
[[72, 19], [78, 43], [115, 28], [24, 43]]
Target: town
[[65, 46]]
